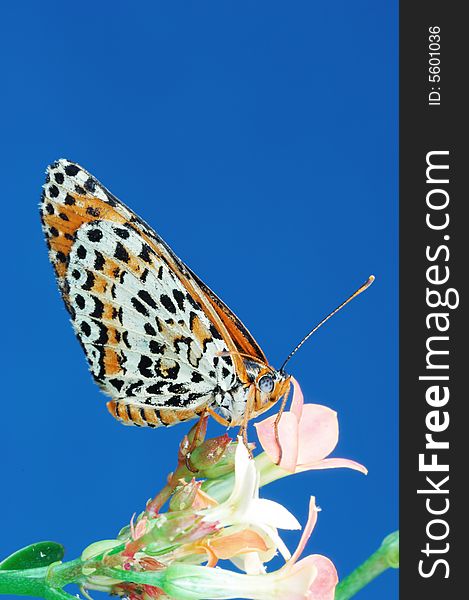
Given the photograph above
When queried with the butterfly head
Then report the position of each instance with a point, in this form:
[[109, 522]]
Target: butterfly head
[[270, 385]]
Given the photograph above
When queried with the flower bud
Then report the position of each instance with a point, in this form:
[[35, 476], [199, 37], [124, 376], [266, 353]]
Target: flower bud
[[209, 453], [171, 530], [184, 496], [98, 548], [391, 545], [193, 439], [225, 464], [198, 431], [188, 582]]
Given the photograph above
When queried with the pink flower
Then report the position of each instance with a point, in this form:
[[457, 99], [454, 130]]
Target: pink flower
[[322, 587], [308, 433]]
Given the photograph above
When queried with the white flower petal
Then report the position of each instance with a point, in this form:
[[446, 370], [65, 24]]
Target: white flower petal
[[272, 513], [249, 562], [272, 533], [244, 508]]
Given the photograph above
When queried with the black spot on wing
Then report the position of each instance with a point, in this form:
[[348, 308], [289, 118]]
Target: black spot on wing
[[168, 303], [90, 279], [149, 329], [85, 328], [227, 359], [121, 253], [159, 324], [177, 388], [80, 301], [145, 253], [214, 331], [121, 232], [117, 383], [144, 366], [103, 336], [125, 339], [146, 297], [98, 308], [140, 307], [156, 388], [99, 260], [71, 170], [192, 302], [156, 347], [179, 297], [175, 401], [90, 184], [130, 391], [93, 211], [95, 235]]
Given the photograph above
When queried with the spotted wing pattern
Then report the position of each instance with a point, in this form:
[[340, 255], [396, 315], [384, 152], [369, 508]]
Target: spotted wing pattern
[[151, 331]]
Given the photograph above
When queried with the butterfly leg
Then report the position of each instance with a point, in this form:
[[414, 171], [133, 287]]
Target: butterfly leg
[[197, 437], [217, 417], [276, 424], [243, 430]]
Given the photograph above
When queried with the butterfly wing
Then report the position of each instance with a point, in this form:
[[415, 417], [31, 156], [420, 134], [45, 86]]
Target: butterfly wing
[[242, 338], [151, 330]]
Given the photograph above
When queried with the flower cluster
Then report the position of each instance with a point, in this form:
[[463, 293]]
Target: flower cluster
[[220, 517]]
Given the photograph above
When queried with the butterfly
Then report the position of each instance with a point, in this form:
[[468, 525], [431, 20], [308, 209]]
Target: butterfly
[[158, 341]]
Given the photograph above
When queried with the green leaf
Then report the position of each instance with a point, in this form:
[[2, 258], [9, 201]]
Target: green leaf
[[41, 554]]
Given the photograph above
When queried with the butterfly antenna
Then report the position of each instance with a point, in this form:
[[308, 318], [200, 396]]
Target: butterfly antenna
[[361, 289]]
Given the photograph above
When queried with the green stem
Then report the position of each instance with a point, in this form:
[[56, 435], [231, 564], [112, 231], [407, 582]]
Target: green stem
[[42, 582], [387, 556], [47, 582]]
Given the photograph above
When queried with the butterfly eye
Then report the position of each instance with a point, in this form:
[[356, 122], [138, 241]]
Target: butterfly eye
[[266, 384]]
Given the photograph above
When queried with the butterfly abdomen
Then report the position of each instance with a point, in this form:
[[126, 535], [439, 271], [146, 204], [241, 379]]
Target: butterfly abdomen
[[130, 414]]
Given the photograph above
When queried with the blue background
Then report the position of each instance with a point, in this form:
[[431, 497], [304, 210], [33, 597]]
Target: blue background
[[260, 141]]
